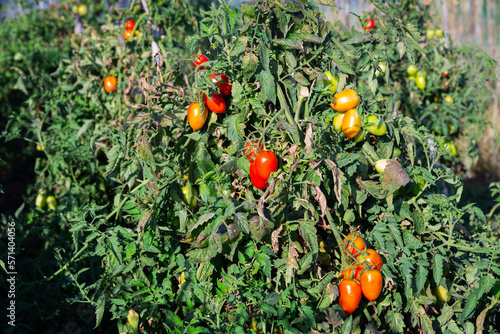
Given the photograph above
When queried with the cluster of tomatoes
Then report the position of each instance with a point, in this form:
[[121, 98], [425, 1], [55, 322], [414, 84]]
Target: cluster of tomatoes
[[216, 103], [42, 200], [129, 29], [361, 276], [347, 118], [430, 33]]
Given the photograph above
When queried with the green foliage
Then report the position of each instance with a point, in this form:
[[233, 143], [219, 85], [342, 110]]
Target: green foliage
[[243, 259]]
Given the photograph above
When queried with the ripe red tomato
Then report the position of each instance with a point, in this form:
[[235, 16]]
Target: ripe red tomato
[[349, 274], [217, 104], [200, 60], [252, 149], [110, 84], [370, 25], [265, 164], [256, 180], [194, 116], [345, 100], [371, 284], [445, 74], [130, 25], [223, 80], [350, 295], [351, 124], [127, 34], [352, 241], [372, 258]]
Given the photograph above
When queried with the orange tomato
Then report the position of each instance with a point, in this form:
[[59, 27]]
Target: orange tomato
[[127, 34], [353, 241], [350, 274], [110, 84], [194, 116], [345, 100], [371, 284], [351, 124], [350, 295], [372, 258]]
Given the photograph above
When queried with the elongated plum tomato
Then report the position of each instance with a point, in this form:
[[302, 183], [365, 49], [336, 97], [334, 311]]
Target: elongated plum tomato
[[41, 200], [221, 81], [337, 121], [331, 80], [265, 164], [378, 128], [370, 25], [194, 116], [216, 103], [346, 100], [373, 258], [252, 149], [353, 241], [127, 34], [382, 65], [110, 84], [421, 82], [190, 194], [350, 295], [200, 60], [371, 284], [51, 202], [351, 124], [130, 25], [256, 180], [442, 294]]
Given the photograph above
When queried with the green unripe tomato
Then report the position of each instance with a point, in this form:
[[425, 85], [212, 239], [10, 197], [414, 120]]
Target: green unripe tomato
[[442, 294], [439, 33], [331, 80], [430, 33], [411, 70], [379, 128], [190, 194], [52, 202], [383, 66], [41, 199], [337, 121], [420, 80], [381, 164], [360, 136], [451, 147], [418, 186]]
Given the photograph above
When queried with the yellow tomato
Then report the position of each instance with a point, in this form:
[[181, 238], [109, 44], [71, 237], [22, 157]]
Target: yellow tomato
[[351, 124], [346, 100], [82, 10], [337, 121], [442, 294]]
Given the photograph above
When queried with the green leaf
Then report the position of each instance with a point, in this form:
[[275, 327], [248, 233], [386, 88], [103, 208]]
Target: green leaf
[[421, 277], [235, 128], [308, 232], [268, 85], [437, 270], [268, 309], [330, 3]]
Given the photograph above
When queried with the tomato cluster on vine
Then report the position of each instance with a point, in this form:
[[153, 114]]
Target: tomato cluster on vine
[[362, 276]]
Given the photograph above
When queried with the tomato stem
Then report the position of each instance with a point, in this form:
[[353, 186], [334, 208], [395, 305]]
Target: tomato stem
[[337, 236]]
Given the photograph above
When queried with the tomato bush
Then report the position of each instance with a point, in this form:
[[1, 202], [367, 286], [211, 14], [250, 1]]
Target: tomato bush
[[174, 223]]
